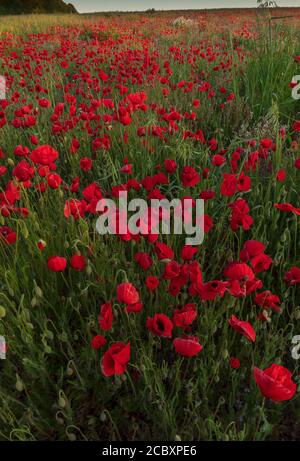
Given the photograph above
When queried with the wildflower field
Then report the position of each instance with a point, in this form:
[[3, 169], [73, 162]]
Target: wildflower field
[[142, 337]]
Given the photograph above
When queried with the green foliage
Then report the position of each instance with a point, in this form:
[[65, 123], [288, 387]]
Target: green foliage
[[35, 6]]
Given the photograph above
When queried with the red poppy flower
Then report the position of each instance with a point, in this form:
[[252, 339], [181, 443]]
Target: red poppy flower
[[160, 325], [281, 175], [23, 171], [267, 300], [266, 143], [234, 363], [292, 277], [187, 346], [8, 235], [115, 360], [287, 207], [78, 262], [189, 177], [229, 185], [188, 252], [98, 342], [211, 290], [185, 316], [163, 251], [172, 270], [275, 383], [261, 263], [251, 249], [127, 293], [135, 308], [144, 260], [152, 283], [106, 317], [245, 328], [170, 166], [239, 271], [44, 155], [57, 263]]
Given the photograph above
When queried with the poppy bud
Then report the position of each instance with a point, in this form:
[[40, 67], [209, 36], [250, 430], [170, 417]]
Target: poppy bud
[[62, 402], [19, 384]]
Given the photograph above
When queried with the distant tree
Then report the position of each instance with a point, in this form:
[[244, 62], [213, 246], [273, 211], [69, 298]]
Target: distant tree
[[35, 6], [266, 4], [150, 11]]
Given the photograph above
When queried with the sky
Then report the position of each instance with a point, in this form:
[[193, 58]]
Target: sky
[[84, 6]]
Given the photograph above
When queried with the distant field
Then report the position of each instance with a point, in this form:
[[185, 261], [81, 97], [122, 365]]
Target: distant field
[[142, 337]]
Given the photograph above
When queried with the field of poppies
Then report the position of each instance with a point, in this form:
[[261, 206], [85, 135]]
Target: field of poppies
[[141, 337]]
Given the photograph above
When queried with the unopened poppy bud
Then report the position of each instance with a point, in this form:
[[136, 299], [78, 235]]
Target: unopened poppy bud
[[70, 371], [19, 385], [41, 245], [72, 437], [38, 292], [177, 438], [225, 354], [62, 403], [297, 314], [103, 417], [2, 312], [89, 270], [222, 401], [59, 419], [10, 162], [33, 302]]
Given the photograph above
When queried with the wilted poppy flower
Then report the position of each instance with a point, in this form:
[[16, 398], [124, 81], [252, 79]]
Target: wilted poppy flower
[[275, 383], [127, 293], [57, 263], [187, 346], [245, 328], [160, 325], [115, 360]]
